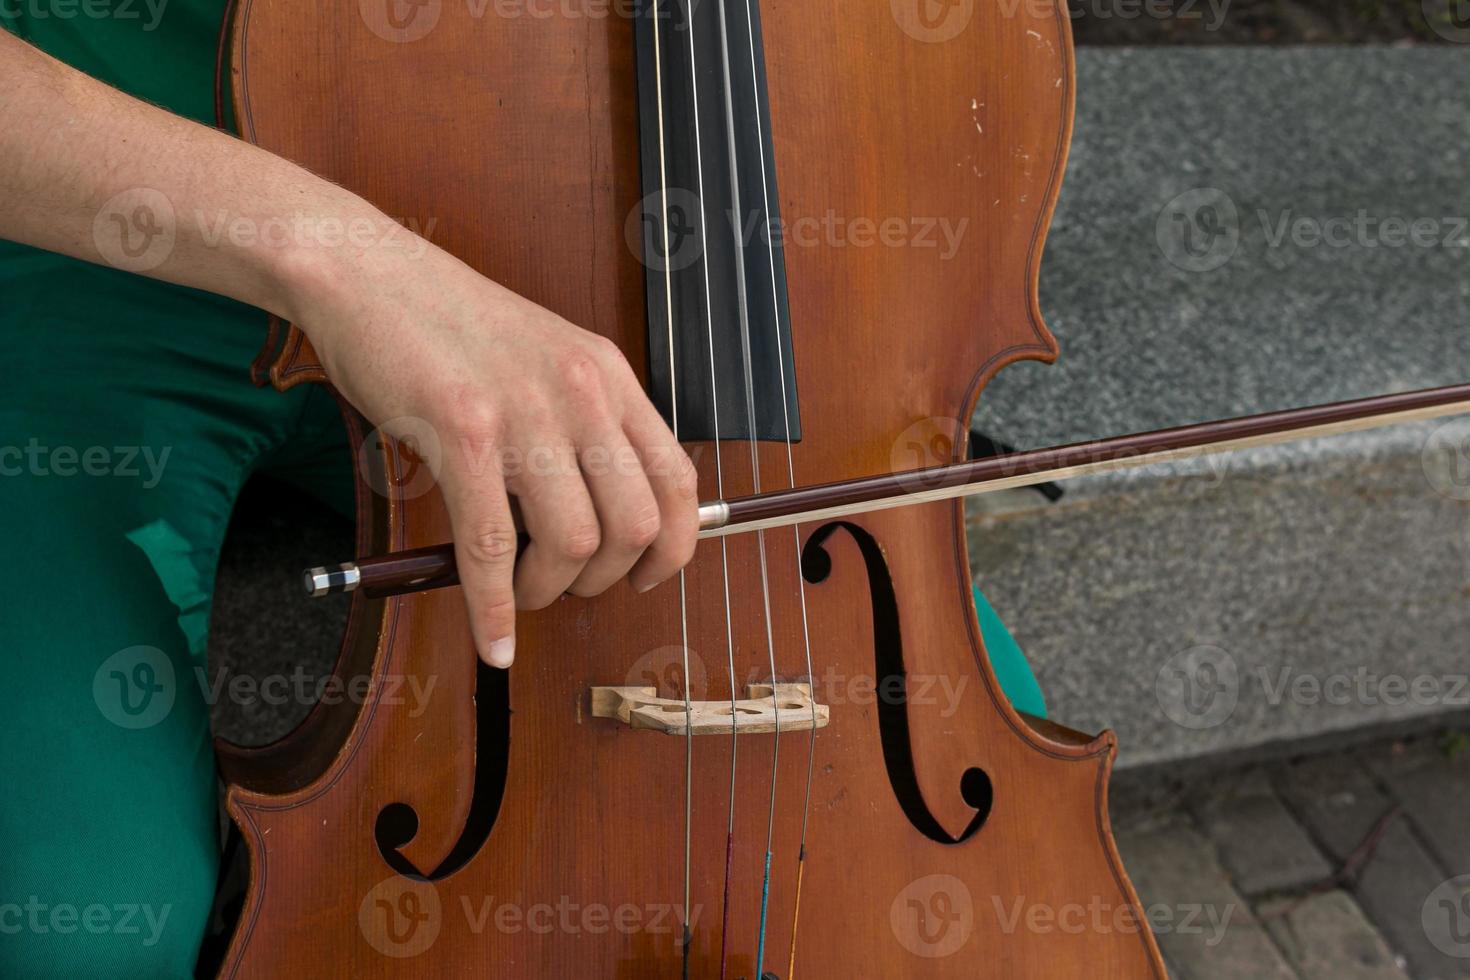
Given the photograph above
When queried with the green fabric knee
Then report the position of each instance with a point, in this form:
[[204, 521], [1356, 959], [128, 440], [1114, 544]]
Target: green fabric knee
[[127, 427]]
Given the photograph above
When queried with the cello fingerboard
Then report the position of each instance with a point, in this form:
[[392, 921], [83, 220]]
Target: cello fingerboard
[[708, 228]]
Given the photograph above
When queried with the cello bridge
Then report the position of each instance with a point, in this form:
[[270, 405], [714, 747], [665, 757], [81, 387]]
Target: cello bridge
[[766, 708]]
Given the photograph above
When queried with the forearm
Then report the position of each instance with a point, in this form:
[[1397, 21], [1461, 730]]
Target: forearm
[[90, 172]]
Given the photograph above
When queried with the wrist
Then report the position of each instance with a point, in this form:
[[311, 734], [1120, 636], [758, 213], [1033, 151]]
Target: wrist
[[319, 276]]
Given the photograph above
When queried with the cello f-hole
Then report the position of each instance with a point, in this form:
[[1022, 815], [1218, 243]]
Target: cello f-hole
[[890, 675]]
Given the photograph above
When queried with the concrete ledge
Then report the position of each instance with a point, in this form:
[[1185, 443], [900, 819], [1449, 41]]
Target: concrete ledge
[[1282, 595]]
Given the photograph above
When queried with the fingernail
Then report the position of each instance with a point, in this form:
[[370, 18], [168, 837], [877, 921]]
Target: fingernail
[[503, 652], [642, 587]]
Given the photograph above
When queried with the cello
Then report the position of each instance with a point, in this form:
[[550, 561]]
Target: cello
[[744, 773]]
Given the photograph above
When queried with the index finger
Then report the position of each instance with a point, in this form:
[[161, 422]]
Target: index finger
[[675, 485]]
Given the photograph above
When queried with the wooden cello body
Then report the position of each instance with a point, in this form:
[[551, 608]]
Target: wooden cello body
[[503, 828]]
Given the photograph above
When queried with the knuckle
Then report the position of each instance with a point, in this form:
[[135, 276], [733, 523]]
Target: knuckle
[[685, 476], [499, 612], [643, 530], [472, 416], [605, 348], [579, 541], [492, 542], [581, 373]]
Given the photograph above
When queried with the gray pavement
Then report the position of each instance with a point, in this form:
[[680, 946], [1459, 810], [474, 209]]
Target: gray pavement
[[1343, 866]]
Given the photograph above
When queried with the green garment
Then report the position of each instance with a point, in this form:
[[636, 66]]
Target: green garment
[[127, 427]]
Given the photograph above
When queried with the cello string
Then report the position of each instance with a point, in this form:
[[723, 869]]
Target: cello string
[[663, 176], [806, 635], [743, 302], [709, 321]]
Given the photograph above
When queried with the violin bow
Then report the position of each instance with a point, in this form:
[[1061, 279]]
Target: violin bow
[[432, 568]]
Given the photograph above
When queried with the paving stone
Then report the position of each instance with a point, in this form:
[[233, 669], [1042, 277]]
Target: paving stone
[[1204, 926], [1259, 842], [1434, 790], [1335, 798], [1393, 890], [1340, 803], [1326, 937]]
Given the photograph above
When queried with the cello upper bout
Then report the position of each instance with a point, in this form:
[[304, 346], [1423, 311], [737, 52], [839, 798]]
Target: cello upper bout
[[928, 154]]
